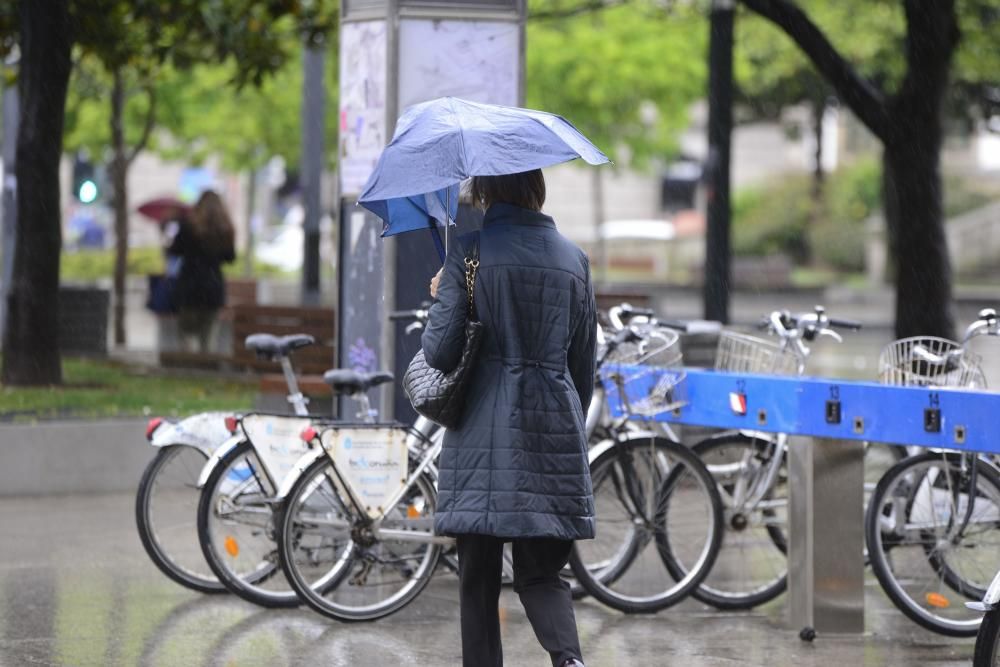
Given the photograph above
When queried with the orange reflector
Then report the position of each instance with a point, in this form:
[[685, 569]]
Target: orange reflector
[[937, 600], [412, 512], [232, 548]]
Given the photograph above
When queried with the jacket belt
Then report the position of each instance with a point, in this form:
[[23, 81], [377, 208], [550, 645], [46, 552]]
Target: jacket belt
[[528, 363]]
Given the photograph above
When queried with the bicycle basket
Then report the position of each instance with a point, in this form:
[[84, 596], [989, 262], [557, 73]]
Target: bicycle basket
[[740, 353], [641, 377], [928, 361]]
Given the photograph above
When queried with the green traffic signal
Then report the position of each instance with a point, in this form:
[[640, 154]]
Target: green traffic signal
[[87, 192]]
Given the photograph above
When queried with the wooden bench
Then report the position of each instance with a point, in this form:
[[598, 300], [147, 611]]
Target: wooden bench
[[309, 362]]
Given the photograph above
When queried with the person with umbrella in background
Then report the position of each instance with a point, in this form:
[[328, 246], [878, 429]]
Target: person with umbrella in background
[[168, 213], [515, 469], [204, 240]]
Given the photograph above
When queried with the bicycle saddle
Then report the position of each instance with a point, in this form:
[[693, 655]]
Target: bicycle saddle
[[274, 347], [346, 381]]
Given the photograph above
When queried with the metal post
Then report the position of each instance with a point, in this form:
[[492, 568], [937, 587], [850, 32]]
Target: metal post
[[720, 122], [8, 196], [313, 102], [826, 535]]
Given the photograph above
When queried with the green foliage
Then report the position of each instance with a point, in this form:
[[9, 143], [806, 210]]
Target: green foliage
[[95, 388], [203, 107], [782, 217], [245, 127], [772, 72], [773, 219], [87, 266], [625, 76]]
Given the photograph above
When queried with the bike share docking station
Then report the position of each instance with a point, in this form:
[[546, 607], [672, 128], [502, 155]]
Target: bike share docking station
[[828, 422]]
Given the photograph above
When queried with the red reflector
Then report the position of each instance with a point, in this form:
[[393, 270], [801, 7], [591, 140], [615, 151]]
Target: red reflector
[[308, 434], [231, 424], [151, 427]]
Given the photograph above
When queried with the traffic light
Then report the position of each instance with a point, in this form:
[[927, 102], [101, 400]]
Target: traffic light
[[85, 185]]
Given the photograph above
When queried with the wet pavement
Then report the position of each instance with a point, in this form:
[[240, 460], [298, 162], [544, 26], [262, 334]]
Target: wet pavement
[[77, 589]]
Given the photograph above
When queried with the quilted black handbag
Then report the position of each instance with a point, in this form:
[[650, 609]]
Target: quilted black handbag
[[441, 396]]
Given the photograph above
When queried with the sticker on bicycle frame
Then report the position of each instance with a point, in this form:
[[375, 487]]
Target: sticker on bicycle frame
[[276, 442], [373, 461], [738, 402]]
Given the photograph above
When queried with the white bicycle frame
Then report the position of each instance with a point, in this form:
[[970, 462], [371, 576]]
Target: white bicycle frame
[[425, 464]]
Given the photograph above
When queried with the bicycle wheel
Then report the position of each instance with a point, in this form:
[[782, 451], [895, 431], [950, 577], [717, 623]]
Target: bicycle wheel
[[237, 533], [752, 565], [646, 487], [987, 653], [324, 537], [166, 510], [927, 558]]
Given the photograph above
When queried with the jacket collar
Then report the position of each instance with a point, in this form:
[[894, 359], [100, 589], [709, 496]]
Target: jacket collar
[[508, 214]]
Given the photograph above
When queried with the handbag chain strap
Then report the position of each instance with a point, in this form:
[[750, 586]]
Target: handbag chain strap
[[471, 266]]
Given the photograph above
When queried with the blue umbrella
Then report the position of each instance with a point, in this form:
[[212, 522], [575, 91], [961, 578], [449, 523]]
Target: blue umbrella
[[440, 143]]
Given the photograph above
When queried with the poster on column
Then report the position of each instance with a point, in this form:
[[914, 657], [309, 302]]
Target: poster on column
[[474, 60], [362, 101]]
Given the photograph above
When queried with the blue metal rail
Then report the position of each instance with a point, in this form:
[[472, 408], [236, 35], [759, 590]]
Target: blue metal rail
[[842, 409]]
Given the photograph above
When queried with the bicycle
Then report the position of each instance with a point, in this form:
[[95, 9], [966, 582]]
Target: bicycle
[[168, 493], [362, 515], [646, 485], [931, 525], [750, 468], [987, 651]]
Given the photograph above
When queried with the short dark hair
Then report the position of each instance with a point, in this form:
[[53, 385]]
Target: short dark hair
[[526, 190]]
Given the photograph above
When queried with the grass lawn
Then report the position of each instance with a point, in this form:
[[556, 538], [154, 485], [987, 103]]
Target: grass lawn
[[100, 388]]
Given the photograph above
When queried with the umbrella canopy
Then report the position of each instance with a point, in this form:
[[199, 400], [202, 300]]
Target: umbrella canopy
[[440, 143], [163, 209]]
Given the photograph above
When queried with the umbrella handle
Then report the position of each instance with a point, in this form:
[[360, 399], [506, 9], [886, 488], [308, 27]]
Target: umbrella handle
[[436, 235]]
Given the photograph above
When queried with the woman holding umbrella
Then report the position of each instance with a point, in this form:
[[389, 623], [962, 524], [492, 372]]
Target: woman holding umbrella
[[516, 470], [515, 467]]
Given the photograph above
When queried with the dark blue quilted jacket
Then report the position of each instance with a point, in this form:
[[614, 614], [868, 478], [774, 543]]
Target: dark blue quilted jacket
[[516, 466]]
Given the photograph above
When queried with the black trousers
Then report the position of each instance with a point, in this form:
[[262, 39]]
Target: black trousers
[[545, 596]]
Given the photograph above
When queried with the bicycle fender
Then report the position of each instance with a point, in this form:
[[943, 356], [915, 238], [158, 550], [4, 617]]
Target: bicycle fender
[[300, 467], [605, 445], [216, 456], [203, 431]]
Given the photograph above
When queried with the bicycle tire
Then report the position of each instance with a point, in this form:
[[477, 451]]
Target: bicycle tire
[[662, 463], [245, 586], [987, 652], [153, 539], [770, 547], [336, 601], [882, 510]]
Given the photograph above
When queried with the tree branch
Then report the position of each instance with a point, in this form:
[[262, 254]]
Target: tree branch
[[147, 128], [858, 93], [568, 12]]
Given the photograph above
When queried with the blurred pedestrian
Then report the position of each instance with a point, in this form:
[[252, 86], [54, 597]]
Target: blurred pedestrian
[[204, 240], [515, 469]]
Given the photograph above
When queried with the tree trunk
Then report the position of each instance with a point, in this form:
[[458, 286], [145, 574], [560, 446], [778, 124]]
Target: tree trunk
[[914, 218], [818, 107], [31, 336], [909, 126], [119, 197], [248, 243], [600, 262]]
